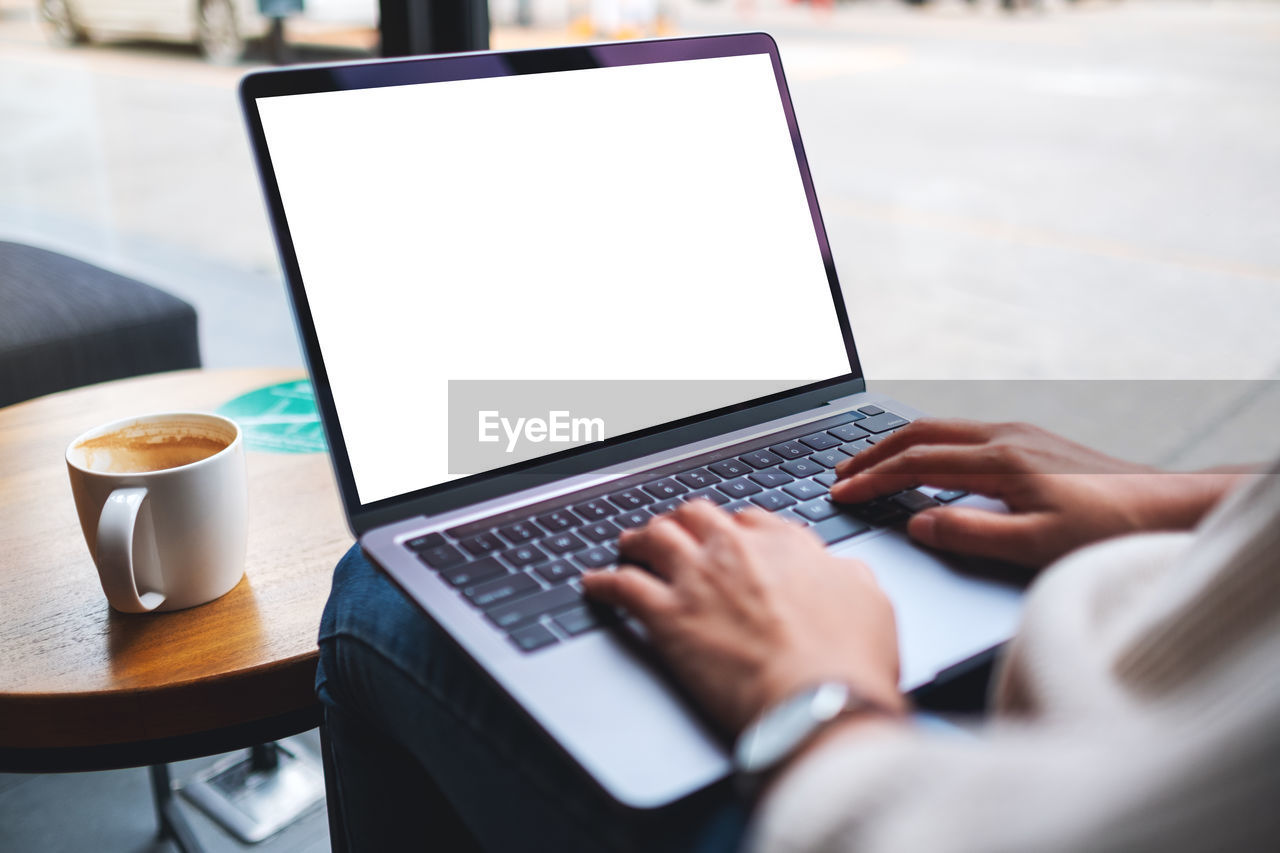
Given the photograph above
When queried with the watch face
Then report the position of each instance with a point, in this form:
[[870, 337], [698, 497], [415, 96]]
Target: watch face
[[787, 725]]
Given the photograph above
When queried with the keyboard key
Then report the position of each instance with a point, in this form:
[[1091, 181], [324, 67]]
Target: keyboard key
[[828, 458], [425, 542], [634, 518], [662, 507], [554, 522], [791, 450], [880, 512], [708, 495], [804, 490], [773, 501], [699, 478], [760, 459], [848, 432], [853, 448], [442, 556], [485, 543], [826, 478], [563, 543], [949, 495], [883, 422], [557, 571], [913, 501], [665, 489], [524, 555], [821, 441], [739, 506], [739, 488], [595, 557], [579, 620], [817, 510], [601, 531], [525, 610], [730, 468], [630, 499], [595, 510], [498, 590], [838, 528], [771, 478], [477, 571], [802, 468], [530, 638], [871, 410], [520, 532]]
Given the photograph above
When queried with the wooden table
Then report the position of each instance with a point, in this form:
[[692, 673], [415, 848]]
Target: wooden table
[[83, 687]]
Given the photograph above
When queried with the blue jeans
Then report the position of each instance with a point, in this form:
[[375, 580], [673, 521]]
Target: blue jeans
[[427, 753]]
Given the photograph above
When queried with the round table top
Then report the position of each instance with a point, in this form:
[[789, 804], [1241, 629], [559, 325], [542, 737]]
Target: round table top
[[73, 672]]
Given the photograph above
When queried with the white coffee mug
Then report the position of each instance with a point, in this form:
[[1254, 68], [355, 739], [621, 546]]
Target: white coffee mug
[[163, 502]]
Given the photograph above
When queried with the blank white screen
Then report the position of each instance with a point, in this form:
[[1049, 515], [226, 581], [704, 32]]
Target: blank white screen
[[634, 222]]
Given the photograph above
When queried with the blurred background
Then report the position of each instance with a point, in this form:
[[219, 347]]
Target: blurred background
[[1014, 190], [1042, 190]]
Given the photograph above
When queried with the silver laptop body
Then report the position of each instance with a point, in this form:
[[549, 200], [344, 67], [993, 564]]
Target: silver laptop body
[[404, 234]]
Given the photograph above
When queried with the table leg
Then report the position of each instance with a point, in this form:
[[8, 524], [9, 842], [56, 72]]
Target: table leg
[[256, 796], [172, 822]]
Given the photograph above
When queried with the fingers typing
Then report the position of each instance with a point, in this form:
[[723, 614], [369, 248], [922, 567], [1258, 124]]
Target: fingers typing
[[663, 544], [1014, 538], [968, 467], [632, 589], [923, 431], [702, 519]]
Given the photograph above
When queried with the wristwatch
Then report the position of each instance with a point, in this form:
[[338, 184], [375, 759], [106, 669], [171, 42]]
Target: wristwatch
[[793, 722]]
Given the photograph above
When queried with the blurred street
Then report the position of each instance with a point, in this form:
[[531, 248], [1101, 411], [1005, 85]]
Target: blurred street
[[1090, 190]]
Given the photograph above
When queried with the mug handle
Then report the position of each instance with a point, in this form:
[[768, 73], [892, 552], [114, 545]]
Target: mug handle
[[115, 555]]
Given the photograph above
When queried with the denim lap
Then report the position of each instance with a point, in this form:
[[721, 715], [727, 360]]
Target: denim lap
[[394, 685]]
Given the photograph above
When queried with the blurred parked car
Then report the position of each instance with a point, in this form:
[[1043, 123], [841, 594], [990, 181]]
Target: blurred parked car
[[219, 27]]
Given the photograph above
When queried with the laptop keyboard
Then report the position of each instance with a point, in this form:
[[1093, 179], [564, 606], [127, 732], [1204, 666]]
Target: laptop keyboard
[[521, 568]]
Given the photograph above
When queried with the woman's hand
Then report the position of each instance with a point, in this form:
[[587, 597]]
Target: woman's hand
[[1061, 495], [747, 609]]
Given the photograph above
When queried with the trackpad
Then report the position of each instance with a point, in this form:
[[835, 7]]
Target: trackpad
[[944, 617]]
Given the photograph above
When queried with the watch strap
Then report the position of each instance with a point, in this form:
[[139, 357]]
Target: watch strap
[[826, 703]]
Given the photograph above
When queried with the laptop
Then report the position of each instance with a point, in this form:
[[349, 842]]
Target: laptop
[[545, 295]]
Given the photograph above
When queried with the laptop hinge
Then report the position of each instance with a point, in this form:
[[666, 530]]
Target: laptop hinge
[[846, 400]]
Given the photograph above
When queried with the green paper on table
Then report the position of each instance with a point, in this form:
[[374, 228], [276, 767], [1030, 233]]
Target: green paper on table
[[279, 418]]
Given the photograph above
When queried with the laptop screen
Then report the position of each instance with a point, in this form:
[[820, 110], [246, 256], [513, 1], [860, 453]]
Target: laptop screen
[[620, 230]]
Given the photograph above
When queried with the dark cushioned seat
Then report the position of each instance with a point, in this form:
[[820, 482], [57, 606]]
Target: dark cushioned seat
[[66, 323]]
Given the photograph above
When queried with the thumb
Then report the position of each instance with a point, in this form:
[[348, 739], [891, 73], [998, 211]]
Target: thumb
[[635, 591], [1011, 537]]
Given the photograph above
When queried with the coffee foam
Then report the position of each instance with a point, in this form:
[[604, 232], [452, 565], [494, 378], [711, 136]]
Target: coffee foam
[[141, 448]]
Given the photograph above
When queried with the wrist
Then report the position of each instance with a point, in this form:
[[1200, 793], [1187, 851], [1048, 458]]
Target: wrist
[[853, 723], [1178, 501], [850, 725], [785, 729], [784, 682]]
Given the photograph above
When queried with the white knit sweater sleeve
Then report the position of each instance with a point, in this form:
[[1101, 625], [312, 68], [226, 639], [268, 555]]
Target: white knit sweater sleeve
[[1019, 792], [1098, 747]]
